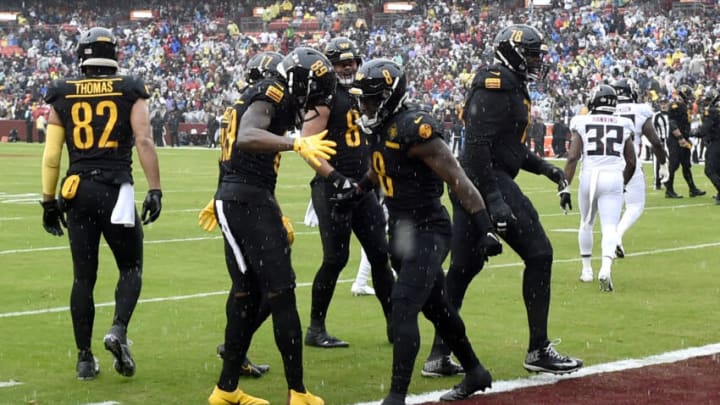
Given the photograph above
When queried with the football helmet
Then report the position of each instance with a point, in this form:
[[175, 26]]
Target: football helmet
[[263, 64], [627, 90], [710, 97], [310, 77], [380, 86], [686, 93], [340, 50], [603, 99], [521, 48], [97, 47]]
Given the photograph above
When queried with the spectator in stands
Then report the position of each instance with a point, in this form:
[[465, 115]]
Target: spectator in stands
[[158, 126], [173, 123], [560, 135], [537, 133]]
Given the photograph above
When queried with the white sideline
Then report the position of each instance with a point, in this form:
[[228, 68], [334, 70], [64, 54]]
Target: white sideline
[[11, 383], [547, 379], [208, 294]]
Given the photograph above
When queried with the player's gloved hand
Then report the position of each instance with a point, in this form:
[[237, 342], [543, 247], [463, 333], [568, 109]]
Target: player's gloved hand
[[289, 229], [556, 174], [206, 218], [314, 146], [565, 196], [664, 172], [489, 243], [151, 206], [500, 213], [345, 188], [53, 217]]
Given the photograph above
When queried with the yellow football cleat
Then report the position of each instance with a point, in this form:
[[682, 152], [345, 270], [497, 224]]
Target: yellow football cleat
[[304, 398], [237, 397]]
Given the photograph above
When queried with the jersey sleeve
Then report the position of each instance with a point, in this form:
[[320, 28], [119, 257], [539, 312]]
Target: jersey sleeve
[[54, 91], [266, 90], [418, 127], [136, 88]]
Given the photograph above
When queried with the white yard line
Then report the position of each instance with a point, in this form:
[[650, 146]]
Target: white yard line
[[208, 294]]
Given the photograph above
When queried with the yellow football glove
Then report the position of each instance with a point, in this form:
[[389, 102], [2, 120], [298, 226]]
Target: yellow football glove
[[314, 146], [289, 228], [206, 218]]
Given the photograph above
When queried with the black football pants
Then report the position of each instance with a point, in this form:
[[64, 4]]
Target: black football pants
[[88, 217]]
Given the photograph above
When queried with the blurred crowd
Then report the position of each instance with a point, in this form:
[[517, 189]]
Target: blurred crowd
[[192, 55]]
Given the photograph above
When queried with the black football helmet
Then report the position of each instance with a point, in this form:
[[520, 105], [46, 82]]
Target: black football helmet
[[711, 96], [380, 86], [310, 77], [686, 93], [97, 47], [340, 50], [627, 90], [263, 64], [603, 99], [521, 48]]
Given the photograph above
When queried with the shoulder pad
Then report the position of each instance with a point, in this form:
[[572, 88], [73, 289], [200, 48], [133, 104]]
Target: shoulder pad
[[413, 126], [54, 91], [136, 86], [268, 90], [495, 78]]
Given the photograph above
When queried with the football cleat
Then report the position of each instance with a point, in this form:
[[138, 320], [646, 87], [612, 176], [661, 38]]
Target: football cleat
[[605, 280], [358, 290], [697, 192], [88, 366], [249, 368], [441, 366], [237, 397], [478, 379], [587, 275], [619, 252], [304, 398], [117, 344], [320, 338], [548, 360]]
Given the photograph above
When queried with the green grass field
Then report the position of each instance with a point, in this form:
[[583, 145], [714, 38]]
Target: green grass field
[[666, 295]]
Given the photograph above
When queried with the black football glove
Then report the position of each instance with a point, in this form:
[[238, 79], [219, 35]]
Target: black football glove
[[345, 189], [565, 197], [488, 243], [53, 217], [344, 194], [151, 206], [557, 175], [500, 213]]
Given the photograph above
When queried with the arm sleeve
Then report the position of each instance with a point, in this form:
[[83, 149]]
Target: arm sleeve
[[534, 164], [51, 158], [482, 123]]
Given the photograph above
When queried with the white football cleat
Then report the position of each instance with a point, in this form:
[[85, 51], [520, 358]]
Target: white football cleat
[[361, 290], [587, 275]]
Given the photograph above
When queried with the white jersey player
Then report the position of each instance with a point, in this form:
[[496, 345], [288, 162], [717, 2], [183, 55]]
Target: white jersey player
[[642, 116], [603, 142]]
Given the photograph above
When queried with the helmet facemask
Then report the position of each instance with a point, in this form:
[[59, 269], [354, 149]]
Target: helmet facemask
[[375, 108], [345, 71]]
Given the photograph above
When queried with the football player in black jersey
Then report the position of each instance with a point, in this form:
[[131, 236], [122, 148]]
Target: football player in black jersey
[[410, 161], [99, 116], [497, 112], [678, 142], [257, 246], [710, 131], [337, 219], [261, 65]]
